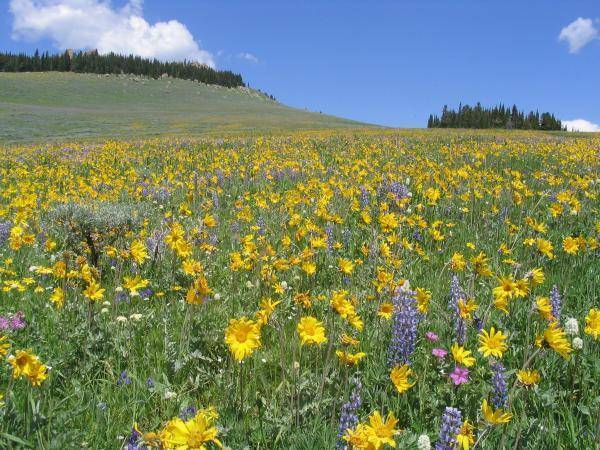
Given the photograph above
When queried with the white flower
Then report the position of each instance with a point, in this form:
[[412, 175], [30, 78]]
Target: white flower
[[572, 326], [169, 395], [106, 303], [104, 310], [217, 296], [423, 443], [119, 289], [136, 316], [122, 319], [249, 284], [577, 343], [284, 285]]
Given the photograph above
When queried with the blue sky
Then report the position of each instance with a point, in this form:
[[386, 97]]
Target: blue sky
[[384, 62]]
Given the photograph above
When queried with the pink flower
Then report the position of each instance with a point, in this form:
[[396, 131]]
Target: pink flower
[[460, 375], [431, 336], [439, 352]]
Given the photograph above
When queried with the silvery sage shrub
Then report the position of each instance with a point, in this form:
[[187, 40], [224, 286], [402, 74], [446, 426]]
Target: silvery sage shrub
[[98, 224]]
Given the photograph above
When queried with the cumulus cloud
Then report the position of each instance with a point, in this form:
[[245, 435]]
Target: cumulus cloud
[[578, 34], [248, 57], [96, 24], [581, 125]]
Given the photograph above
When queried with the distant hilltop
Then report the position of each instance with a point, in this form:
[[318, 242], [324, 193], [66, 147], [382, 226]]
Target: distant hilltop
[[90, 61]]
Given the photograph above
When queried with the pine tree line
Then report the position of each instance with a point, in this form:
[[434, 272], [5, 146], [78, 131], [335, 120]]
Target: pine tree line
[[111, 63], [496, 117]]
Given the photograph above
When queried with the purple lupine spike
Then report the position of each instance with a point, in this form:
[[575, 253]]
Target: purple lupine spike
[[4, 231], [364, 197], [405, 319], [499, 389], [329, 233], [348, 414], [556, 302], [449, 428]]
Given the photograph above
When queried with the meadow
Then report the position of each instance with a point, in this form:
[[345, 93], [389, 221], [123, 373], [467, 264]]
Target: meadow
[[311, 290]]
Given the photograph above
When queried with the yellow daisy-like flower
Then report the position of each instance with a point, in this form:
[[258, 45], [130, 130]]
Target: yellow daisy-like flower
[[462, 356], [422, 296], [465, 437], [193, 434], [4, 346], [351, 359], [555, 338], [492, 417], [243, 337], [528, 377], [138, 251], [311, 331], [58, 297], [400, 376], [93, 291], [544, 307], [592, 323], [492, 343], [346, 266], [570, 245], [385, 310]]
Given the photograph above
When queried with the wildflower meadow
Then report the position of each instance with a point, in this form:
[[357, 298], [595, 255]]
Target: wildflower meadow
[[363, 289]]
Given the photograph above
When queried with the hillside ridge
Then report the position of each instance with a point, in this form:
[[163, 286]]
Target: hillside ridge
[[36, 106]]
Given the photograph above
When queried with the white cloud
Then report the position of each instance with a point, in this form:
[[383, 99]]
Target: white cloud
[[578, 34], [95, 24], [248, 57], [581, 125]]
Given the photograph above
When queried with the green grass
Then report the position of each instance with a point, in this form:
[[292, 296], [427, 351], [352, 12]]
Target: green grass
[[68, 106]]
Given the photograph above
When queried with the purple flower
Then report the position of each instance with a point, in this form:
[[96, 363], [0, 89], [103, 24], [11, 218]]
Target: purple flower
[[450, 427], [460, 375], [188, 413], [499, 389], [439, 353], [4, 324], [405, 319], [150, 383], [123, 379], [556, 302], [431, 336], [17, 321], [348, 414]]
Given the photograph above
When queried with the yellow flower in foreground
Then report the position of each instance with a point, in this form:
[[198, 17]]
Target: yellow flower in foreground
[[192, 434], [492, 343], [93, 291], [346, 266], [350, 358], [373, 435], [462, 356], [311, 331], [544, 307], [555, 338], [545, 247], [528, 377], [4, 346], [25, 363], [465, 437], [381, 432], [58, 297], [494, 417], [592, 323], [400, 376], [243, 337], [570, 245], [422, 296], [134, 284], [138, 251], [385, 310]]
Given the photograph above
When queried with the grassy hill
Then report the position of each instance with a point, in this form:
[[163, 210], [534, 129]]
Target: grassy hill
[[60, 106]]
